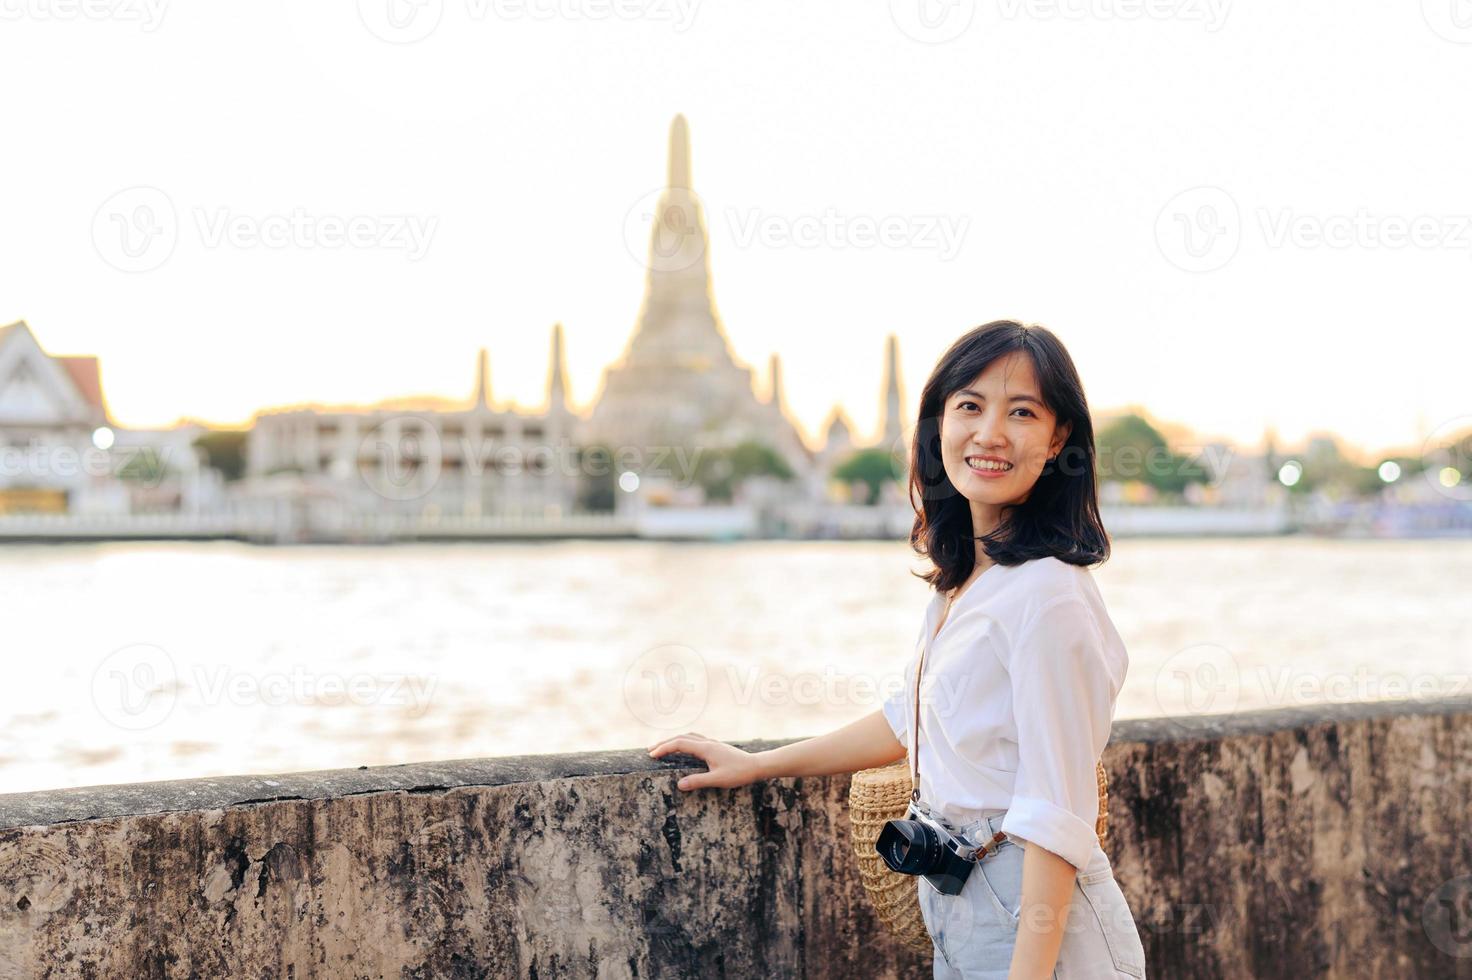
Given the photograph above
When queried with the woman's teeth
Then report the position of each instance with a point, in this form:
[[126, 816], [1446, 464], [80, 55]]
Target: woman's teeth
[[986, 464]]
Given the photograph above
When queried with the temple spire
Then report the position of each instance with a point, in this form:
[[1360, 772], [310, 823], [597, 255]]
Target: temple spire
[[679, 170], [557, 374], [774, 373], [893, 425], [482, 382]]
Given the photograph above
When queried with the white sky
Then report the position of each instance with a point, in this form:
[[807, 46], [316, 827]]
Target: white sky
[[1054, 140]]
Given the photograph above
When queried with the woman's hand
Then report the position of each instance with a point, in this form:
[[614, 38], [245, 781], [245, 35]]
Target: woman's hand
[[729, 766]]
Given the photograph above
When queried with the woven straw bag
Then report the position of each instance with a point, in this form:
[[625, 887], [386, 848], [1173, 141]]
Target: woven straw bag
[[876, 796]]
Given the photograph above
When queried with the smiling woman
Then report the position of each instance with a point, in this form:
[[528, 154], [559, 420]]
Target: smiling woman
[[1004, 432], [1007, 726]]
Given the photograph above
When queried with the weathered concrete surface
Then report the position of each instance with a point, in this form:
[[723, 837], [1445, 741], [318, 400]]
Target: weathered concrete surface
[[1332, 842]]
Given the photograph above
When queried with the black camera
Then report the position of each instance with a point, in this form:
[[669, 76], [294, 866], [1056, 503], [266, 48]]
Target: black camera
[[920, 845]]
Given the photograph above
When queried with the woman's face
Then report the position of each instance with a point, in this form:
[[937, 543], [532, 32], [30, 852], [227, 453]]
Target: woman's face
[[999, 415]]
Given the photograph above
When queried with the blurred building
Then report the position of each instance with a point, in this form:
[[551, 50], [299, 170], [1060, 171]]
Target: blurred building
[[423, 458], [61, 453]]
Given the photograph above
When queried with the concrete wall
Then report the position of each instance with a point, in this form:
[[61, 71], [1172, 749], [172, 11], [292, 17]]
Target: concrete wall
[[1332, 842]]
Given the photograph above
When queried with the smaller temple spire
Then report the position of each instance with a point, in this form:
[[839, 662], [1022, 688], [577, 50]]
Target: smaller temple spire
[[557, 374], [679, 172], [774, 379], [482, 382], [893, 426]]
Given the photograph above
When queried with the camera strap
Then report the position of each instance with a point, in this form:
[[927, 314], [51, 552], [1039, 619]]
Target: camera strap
[[915, 728]]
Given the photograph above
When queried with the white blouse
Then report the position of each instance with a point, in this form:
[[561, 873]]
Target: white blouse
[[1016, 704]]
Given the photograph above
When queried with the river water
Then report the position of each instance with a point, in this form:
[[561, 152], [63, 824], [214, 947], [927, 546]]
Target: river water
[[154, 660]]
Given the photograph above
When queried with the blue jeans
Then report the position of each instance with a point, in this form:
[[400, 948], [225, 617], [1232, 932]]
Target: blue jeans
[[974, 931]]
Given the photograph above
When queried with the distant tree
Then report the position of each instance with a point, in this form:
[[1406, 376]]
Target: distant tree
[[224, 450], [719, 471], [145, 466], [872, 467], [1131, 449]]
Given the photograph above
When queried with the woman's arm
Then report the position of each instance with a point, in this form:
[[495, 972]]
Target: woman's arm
[[862, 744], [1047, 888]]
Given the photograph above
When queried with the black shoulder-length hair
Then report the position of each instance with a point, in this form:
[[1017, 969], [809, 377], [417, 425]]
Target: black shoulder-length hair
[[1059, 518]]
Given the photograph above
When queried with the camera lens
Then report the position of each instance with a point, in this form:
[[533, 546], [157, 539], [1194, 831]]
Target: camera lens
[[909, 847]]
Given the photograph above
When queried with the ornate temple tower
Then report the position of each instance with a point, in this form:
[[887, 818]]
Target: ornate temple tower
[[894, 424], [677, 383]]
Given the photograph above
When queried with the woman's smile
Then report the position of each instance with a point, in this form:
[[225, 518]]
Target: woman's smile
[[988, 467]]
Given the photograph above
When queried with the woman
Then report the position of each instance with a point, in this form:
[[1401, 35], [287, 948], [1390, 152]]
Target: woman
[[1021, 672]]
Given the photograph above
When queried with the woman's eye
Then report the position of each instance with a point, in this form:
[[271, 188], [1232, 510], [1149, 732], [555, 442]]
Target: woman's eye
[[964, 404], [1027, 410]]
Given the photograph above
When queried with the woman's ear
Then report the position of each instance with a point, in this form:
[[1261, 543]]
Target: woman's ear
[[1060, 436]]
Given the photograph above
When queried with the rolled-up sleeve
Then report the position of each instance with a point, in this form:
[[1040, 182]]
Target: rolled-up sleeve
[[1063, 701]]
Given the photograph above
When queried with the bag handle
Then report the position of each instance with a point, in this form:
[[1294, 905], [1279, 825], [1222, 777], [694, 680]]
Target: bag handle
[[915, 729]]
